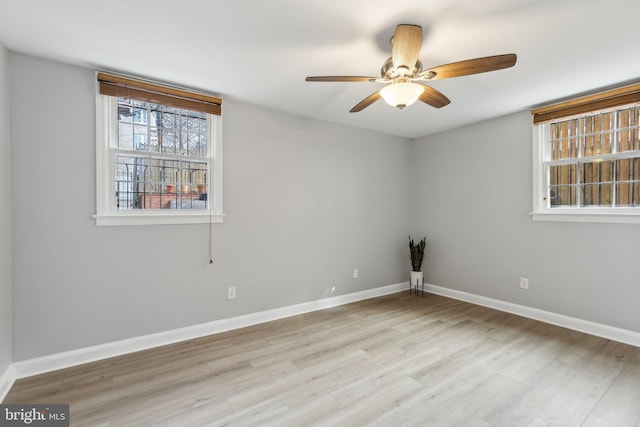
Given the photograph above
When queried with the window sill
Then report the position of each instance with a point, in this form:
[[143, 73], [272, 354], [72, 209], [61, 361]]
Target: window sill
[[157, 218], [624, 217]]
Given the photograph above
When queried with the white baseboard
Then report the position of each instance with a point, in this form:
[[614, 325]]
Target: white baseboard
[[610, 332], [40, 365], [6, 381], [67, 359]]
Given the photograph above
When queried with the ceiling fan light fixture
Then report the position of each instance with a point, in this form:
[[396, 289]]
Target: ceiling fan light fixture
[[401, 94], [403, 70]]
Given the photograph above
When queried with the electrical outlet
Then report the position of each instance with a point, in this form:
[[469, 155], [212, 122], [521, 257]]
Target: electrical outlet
[[231, 292], [355, 273], [524, 283]]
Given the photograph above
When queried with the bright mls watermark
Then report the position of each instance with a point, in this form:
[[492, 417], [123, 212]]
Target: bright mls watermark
[[34, 415]]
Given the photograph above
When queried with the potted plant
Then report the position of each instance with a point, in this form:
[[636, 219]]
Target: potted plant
[[416, 253]]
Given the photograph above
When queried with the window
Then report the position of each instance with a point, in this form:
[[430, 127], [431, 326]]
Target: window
[[159, 154], [587, 158]]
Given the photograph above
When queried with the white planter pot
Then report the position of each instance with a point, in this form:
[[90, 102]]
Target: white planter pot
[[416, 278]]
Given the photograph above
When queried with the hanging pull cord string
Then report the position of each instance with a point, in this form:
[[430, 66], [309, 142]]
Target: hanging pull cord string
[[210, 229]]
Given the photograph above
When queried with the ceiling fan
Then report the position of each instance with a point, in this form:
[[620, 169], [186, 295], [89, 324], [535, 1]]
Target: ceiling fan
[[404, 74]]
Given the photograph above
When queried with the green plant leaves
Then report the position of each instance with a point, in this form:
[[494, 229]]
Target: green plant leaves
[[416, 252]]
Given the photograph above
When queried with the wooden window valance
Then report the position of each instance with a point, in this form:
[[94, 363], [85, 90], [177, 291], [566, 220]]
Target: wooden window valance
[[125, 87], [586, 104]]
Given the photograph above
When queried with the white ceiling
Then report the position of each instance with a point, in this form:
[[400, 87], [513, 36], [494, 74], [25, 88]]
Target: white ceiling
[[260, 52]]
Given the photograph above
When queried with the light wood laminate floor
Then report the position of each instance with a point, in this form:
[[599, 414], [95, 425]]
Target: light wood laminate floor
[[390, 361]]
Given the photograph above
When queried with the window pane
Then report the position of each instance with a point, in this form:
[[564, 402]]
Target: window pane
[[184, 126], [593, 161], [564, 139], [168, 140], [203, 138], [628, 194], [628, 178], [125, 113], [562, 185], [598, 134], [627, 129], [173, 181], [153, 140], [144, 182], [165, 119], [125, 136], [154, 116], [596, 178], [127, 176], [628, 169], [562, 196], [562, 175], [595, 172], [140, 115], [140, 140], [192, 143], [170, 130], [596, 195]]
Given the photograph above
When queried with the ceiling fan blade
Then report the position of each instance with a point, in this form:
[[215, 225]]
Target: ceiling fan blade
[[433, 97], [473, 66], [366, 102], [405, 46], [340, 79]]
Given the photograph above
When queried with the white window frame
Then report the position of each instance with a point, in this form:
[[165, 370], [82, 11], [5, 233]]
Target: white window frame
[[106, 214], [541, 211]]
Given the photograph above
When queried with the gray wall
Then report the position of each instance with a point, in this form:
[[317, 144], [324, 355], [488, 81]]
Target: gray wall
[[306, 202], [5, 219], [473, 198]]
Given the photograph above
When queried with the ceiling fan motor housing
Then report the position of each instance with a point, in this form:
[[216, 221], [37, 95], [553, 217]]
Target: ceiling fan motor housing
[[388, 71]]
